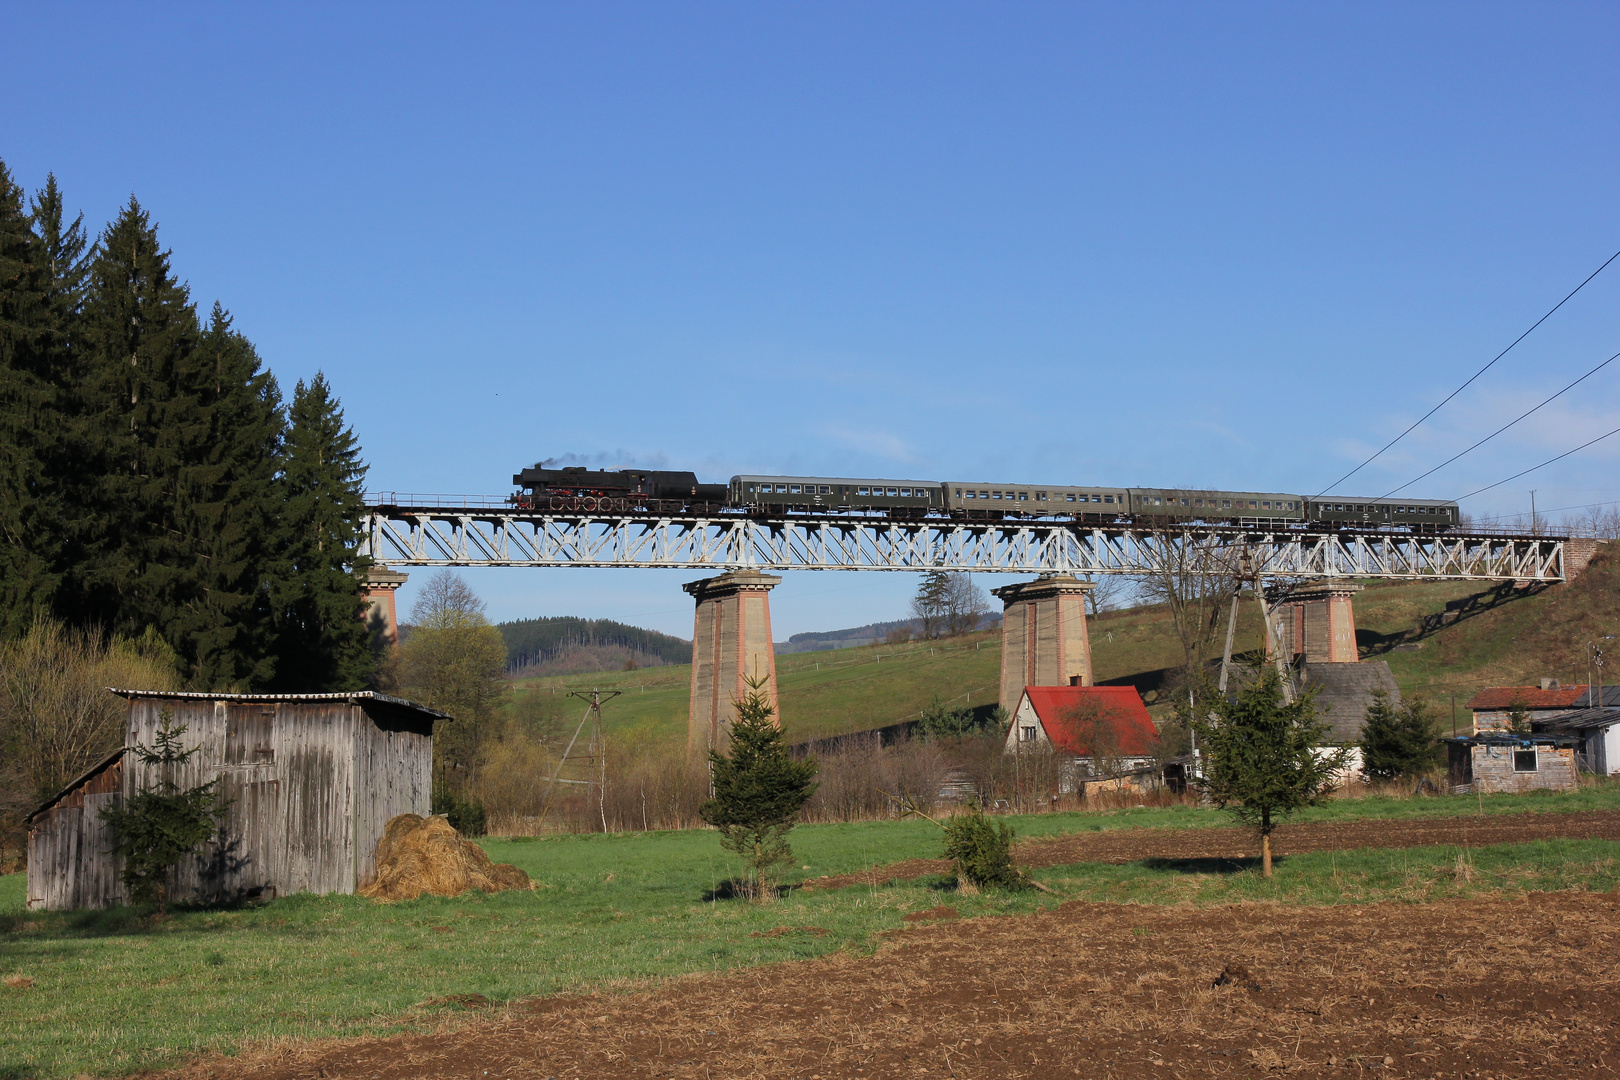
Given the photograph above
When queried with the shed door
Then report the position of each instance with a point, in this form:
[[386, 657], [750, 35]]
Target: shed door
[[249, 730]]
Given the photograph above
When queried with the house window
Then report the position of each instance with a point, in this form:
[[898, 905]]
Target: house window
[[1029, 732], [1524, 761]]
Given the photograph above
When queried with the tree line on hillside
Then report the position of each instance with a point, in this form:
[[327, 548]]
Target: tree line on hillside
[[153, 477], [535, 642]]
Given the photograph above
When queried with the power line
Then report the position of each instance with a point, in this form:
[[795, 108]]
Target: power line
[[1471, 378], [1543, 465], [1505, 426], [1560, 509]]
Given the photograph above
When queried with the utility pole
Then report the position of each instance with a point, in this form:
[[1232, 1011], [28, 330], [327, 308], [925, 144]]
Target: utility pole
[[593, 700]]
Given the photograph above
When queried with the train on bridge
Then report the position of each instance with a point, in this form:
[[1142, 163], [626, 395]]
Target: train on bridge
[[638, 491]]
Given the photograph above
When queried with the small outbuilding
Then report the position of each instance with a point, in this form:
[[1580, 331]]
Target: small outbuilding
[[1101, 735], [1503, 762], [309, 782], [1493, 706]]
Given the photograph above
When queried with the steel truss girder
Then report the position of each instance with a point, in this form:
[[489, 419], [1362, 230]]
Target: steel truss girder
[[406, 536]]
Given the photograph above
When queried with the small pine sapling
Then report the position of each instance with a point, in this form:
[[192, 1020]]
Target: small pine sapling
[[1265, 756], [162, 825], [759, 790], [1398, 740], [981, 852]]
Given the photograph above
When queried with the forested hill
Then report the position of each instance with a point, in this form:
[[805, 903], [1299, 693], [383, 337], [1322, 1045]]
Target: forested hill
[[538, 643]]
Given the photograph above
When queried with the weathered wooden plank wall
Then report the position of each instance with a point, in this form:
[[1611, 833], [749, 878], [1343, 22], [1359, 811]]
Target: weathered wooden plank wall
[[397, 764]]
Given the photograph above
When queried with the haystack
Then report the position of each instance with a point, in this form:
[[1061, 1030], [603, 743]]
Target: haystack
[[419, 855]]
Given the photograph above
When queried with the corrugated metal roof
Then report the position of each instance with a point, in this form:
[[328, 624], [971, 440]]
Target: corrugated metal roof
[[351, 698], [1582, 718]]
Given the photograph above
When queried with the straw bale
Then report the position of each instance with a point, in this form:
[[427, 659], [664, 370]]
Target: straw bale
[[419, 855]]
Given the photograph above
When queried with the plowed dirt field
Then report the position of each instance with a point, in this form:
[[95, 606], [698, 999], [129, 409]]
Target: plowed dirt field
[[1133, 845], [1525, 986]]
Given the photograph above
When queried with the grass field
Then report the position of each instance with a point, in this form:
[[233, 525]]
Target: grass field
[[122, 990]]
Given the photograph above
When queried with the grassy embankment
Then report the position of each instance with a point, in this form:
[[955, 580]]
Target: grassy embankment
[[122, 990], [1498, 641]]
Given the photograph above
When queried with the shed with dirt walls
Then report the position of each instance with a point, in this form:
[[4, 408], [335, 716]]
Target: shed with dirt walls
[[309, 782]]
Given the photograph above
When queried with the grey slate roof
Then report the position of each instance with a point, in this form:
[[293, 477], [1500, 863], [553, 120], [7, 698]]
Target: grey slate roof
[[1343, 692], [1608, 698]]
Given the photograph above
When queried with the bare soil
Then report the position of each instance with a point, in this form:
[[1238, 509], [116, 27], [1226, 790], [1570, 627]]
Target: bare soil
[[1506, 987], [1134, 845]]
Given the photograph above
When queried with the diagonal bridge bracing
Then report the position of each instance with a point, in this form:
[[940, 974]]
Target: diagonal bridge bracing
[[460, 536]]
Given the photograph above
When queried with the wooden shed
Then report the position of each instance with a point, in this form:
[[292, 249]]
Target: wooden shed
[[309, 781]]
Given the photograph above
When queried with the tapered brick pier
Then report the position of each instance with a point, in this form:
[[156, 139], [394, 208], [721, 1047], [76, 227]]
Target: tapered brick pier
[[1044, 640], [731, 644], [378, 584], [1318, 622]]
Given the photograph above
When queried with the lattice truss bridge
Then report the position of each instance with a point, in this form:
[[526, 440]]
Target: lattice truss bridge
[[401, 535]]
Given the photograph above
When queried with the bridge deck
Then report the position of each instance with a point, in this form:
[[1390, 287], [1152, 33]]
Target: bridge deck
[[482, 534]]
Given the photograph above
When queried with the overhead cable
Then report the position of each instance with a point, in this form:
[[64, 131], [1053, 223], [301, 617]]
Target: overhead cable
[[1505, 426], [1471, 378], [1543, 465]]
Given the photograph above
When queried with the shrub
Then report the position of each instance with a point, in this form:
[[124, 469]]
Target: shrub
[[466, 815], [981, 851]]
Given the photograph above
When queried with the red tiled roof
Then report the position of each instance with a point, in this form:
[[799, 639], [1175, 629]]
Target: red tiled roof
[[1531, 697], [1067, 712]]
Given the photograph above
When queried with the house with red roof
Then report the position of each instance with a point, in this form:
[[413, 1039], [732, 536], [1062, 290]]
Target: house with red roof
[[1100, 734]]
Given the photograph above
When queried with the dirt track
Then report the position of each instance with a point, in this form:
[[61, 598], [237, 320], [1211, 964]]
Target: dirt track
[[1520, 987], [1132, 845]]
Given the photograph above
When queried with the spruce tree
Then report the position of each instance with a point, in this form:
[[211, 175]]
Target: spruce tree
[[1265, 757], [321, 641], [30, 424], [759, 790], [140, 417], [1397, 741], [227, 496]]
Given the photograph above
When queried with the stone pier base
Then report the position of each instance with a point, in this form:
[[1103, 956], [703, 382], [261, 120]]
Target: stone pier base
[[731, 645]]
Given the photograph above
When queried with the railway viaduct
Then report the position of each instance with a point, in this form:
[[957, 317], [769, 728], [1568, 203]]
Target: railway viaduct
[[1311, 574]]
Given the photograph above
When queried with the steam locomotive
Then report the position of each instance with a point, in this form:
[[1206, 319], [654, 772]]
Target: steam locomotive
[[636, 491]]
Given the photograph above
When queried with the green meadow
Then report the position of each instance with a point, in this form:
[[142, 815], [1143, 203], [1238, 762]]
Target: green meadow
[[122, 990]]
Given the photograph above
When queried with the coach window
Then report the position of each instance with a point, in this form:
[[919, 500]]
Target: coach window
[[893, 493], [863, 491], [793, 489], [905, 492], [1069, 497], [1023, 496], [1108, 498]]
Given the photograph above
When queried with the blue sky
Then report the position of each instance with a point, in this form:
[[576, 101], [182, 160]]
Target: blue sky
[[1216, 245]]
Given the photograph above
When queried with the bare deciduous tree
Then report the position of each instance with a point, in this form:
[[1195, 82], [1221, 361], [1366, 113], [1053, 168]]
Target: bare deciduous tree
[[56, 717], [1195, 577]]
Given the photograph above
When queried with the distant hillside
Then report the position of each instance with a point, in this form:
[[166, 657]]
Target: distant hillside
[[870, 634], [565, 645]]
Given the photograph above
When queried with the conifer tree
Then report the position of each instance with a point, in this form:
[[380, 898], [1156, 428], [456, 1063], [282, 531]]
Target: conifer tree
[[227, 494], [1397, 740], [1265, 756], [322, 642], [29, 425], [759, 790], [140, 332]]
